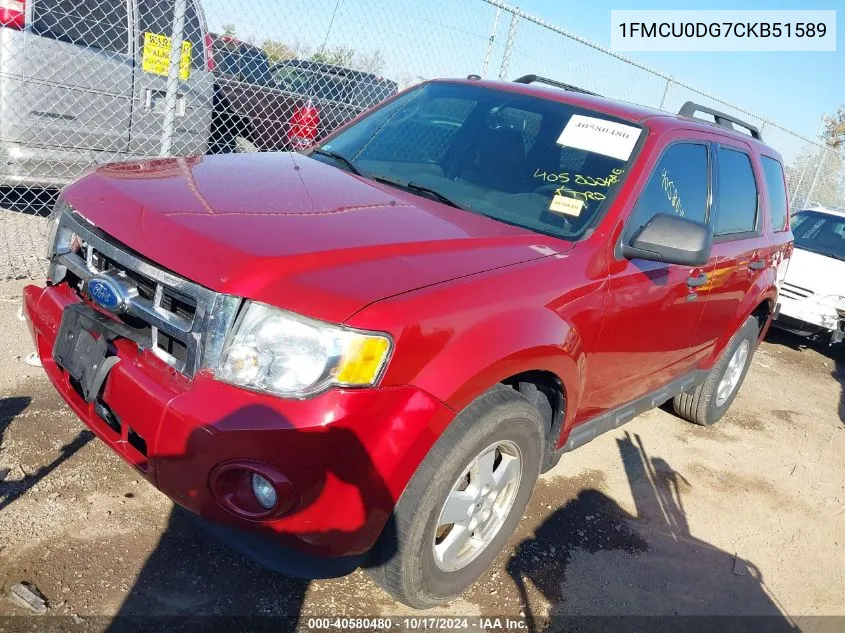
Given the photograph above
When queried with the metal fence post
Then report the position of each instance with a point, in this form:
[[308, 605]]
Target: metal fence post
[[172, 93], [819, 169], [806, 164], [665, 93], [506, 55], [489, 51]]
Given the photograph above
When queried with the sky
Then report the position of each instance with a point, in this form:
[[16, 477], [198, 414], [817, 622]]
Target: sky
[[794, 89], [420, 39]]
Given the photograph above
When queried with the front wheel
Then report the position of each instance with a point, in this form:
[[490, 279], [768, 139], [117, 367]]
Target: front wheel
[[463, 502], [708, 402]]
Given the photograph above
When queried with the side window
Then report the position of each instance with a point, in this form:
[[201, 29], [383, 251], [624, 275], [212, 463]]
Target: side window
[[776, 191], [156, 16], [226, 57], [100, 24], [736, 193], [677, 186]]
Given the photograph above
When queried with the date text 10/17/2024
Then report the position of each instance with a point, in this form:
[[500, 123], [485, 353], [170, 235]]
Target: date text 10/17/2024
[[490, 624]]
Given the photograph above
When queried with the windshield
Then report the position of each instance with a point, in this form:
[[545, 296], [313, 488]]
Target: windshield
[[820, 233], [536, 163]]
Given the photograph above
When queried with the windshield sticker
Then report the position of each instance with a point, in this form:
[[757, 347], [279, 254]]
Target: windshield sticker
[[156, 56], [566, 205], [599, 136], [672, 193]]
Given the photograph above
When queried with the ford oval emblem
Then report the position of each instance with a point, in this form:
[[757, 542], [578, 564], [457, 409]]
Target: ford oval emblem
[[106, 293]]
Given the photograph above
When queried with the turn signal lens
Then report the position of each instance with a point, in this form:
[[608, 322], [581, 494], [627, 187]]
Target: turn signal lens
[[362, 361]]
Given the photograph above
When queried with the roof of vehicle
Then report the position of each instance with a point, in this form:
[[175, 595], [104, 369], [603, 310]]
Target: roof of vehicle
[[307, 64], [837, 211], [234, 41], [655, 119]]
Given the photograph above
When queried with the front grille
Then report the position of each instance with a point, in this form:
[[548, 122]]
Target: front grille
[[185, 322], [791, 291]]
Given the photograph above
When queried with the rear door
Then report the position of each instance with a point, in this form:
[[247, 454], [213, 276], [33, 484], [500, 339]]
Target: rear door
[[196, 86], [78, 77], [740, 247]]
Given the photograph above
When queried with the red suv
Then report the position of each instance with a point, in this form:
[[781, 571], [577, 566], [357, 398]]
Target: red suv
[[368, 354]]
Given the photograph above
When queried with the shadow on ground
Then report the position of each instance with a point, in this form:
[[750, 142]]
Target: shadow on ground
[[28, 200], [13, 489], [193, 582], [592, 558]]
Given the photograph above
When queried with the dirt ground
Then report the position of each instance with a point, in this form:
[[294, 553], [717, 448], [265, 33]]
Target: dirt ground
[[659, 518]]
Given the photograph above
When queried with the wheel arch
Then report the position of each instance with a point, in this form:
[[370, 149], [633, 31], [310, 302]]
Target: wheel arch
[[761, 305], [547, 393]]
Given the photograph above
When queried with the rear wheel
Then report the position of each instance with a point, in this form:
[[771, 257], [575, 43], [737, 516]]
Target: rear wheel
[[708, 402], [463, 502]]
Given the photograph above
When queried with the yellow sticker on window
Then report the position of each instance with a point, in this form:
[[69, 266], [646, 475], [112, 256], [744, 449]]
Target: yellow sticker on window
[[567, 205], [156, 56]]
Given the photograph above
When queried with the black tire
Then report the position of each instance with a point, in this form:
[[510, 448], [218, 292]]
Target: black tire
[[699, 406], [409, 571]]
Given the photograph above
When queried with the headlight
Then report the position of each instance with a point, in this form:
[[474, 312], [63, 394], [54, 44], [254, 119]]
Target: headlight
[[837, 302], [290, 355], [60, 240]]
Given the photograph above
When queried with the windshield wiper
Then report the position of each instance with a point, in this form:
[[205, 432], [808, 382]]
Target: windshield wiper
[[417, 188], [339, 158]]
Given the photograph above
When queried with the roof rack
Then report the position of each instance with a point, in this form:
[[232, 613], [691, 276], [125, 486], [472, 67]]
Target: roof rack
[[530, 79], [723, 120]]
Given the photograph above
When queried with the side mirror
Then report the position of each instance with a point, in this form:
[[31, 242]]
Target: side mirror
[[671, 239]]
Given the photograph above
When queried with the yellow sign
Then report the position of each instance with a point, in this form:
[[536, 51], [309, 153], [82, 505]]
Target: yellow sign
[[569, 206], [156, 56]]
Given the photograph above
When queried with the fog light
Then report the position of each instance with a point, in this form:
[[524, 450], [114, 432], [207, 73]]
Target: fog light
[[264, 492]]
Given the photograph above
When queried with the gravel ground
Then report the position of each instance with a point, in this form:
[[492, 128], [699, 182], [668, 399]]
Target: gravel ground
[[660, 518], [23, 241]]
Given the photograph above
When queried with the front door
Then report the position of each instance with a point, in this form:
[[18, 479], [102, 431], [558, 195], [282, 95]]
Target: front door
[[653, 308], [196, 85]]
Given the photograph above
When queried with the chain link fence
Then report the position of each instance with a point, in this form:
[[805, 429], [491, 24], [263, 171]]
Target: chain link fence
[[84, 82]]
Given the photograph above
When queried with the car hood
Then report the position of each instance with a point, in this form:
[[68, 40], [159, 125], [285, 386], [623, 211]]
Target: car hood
[[820, 274], [292, 231]]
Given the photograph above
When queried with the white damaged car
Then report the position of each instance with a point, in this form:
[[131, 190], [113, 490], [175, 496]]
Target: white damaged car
[[812, 294]]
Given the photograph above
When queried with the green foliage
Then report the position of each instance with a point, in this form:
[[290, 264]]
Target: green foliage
[[338, 56], [834, 133], [277, 51]]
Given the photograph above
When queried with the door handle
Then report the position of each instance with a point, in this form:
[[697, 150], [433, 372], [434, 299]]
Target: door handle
[[696, 282], [758, 264]]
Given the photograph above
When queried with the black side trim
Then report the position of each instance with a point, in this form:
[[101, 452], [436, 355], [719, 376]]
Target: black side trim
[[275, 556], [591, 429]]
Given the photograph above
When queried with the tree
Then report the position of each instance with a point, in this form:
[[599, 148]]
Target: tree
[[338, 56], [277, 51], [370, 62], [230, 29], [816, 177], [835, 129]]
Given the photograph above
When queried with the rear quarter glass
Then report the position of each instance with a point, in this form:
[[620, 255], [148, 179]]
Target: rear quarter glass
[[775, 185]]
